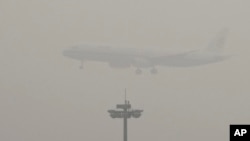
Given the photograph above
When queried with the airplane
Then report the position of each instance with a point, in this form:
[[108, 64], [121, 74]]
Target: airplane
[[130, 57]]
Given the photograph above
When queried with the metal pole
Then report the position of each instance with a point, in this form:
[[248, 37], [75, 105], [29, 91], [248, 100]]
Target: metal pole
[[125, 130], [125, 133], [126, 113]]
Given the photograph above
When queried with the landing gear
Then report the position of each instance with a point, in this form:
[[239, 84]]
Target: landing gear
[[138, 71], [153, 71], [81, 66]]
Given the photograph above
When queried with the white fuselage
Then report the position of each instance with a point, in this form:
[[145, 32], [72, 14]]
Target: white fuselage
[[142, 59]]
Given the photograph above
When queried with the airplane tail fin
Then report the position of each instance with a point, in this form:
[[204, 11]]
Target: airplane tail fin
[[216, 45]]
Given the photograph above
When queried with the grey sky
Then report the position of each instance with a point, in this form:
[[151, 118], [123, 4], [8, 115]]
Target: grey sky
[[44, 96]]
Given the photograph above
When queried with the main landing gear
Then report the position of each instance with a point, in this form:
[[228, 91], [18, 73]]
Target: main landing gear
[[153, 71], [138, 71]]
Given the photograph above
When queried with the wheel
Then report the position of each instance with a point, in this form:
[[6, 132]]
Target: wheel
[[153, 71], [138, 71]]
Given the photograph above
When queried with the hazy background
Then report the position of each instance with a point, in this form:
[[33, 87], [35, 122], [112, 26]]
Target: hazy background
[[45, 97]]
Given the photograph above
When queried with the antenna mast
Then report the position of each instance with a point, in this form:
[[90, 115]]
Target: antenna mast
[[125, 114], [125, 96]]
